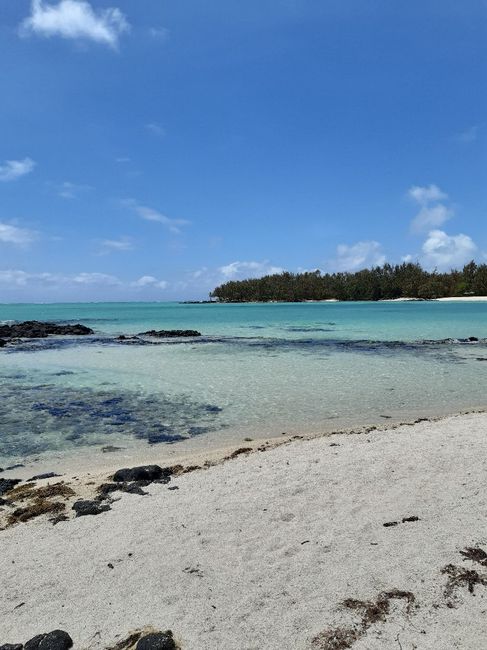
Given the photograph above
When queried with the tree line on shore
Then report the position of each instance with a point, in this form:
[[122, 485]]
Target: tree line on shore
[[387, 282]]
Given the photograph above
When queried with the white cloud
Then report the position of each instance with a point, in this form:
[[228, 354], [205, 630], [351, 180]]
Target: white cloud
[[237, 270], [444, 251], [427, 194], [156, 129], [75, 19], [363, 254], [206, 279], [17, 236], [149, 214], [431, 217], [433, 212], [121, 245], [13, 169], [149, 281]]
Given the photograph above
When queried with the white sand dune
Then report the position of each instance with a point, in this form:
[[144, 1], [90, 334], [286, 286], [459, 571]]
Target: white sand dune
[[259, 552]]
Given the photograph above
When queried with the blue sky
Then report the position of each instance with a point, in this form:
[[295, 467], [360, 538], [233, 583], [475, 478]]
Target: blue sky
[[153, 150]]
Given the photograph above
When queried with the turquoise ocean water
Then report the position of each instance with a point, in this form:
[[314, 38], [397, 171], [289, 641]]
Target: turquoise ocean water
[[258, 370]]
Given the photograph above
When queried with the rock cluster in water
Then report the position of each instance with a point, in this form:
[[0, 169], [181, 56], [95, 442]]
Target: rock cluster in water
[[170, 333], [34, 329]]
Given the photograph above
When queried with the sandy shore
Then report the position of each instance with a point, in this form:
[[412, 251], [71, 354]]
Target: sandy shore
[[464, 299], [263, 550]]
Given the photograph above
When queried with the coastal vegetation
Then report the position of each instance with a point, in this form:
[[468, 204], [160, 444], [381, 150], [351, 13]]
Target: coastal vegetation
[[387, 282]]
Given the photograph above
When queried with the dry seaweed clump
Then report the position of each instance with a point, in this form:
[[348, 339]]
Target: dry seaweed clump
[[35, 509], [475, 554], [370, 611], [460, 577], [336, 639], [37, 501]]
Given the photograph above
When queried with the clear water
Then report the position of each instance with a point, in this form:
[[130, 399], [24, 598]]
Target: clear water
[[257, 371]]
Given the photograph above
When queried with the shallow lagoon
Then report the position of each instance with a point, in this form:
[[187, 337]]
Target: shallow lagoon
[[257, 371]]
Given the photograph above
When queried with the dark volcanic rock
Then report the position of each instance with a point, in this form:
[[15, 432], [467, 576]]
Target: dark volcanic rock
[[33, 644], [3, 343], [39, 477], [56, 640], [35, 329], [83, 508], [11, 646], [147, 473], [170, 333], [131, 488], [157, 641], [7, 484]]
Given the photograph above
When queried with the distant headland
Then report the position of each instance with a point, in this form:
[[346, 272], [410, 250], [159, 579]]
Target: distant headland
[[387, 282]]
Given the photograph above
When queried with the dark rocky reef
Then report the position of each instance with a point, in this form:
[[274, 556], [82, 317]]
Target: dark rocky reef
[[34, 329], [170, 333]]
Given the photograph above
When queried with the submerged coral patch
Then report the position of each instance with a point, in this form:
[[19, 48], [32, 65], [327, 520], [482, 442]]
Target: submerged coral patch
[[38, 418]]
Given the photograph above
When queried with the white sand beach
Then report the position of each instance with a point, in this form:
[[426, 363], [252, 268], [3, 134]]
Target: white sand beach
[[262, 550], [464, 299]]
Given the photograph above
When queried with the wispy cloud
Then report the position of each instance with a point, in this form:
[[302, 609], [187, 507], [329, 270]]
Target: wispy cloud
[[11, 170], [468, 135], [122, 244], [149, 214], [76, 20], [10, 234], [156, 129], [363, 254], [433, 210], [84, 283], [160, 33], [69, 190], [236, 270], [95, 279], [443, 252]]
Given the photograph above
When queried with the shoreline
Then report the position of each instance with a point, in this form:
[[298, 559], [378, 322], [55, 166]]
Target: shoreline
[[91, 462], [343, 516]]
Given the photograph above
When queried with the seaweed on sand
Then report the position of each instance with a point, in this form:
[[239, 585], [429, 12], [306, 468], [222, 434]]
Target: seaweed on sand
[[38, 501], [370, 612], [461, 577]]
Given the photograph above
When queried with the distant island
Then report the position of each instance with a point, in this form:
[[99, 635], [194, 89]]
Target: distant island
[[387, 282]]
